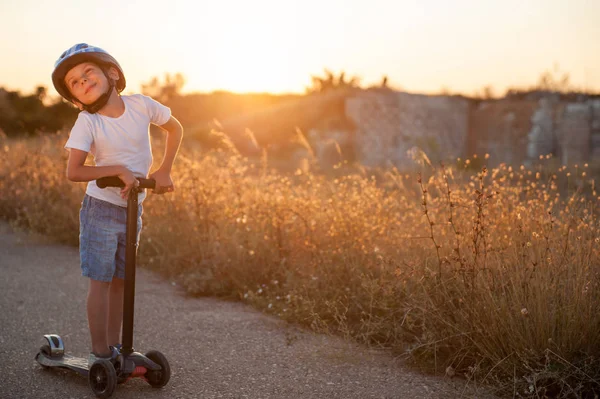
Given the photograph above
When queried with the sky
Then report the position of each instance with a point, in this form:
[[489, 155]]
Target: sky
[[424, 46]]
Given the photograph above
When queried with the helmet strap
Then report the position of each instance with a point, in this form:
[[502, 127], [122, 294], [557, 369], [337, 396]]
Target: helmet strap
[[102, 100]]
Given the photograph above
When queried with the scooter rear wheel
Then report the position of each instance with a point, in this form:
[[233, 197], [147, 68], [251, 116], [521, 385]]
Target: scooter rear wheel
[[102, 378]]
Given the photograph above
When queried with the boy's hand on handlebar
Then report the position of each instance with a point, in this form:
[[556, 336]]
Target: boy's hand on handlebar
[[164, 184], [130, 182]]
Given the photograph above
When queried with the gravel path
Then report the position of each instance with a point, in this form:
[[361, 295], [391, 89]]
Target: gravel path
[[216, 349]]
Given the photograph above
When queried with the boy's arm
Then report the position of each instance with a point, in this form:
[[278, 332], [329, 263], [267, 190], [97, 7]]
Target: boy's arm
[[77, 171], [163, 174]]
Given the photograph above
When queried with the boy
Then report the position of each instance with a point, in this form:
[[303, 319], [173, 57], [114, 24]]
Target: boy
[[115, 129]]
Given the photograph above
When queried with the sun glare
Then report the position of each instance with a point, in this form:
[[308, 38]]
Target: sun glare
[[252, 66], [251, 52]]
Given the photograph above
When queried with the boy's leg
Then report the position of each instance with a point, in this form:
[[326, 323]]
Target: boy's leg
[[97, 310], [115, 310], [117, 286], [100, 225]]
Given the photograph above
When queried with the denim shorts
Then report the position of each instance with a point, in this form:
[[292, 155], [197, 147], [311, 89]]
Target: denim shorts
[[102, 235]]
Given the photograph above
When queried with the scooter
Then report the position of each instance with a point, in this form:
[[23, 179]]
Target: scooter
[[104, 375]]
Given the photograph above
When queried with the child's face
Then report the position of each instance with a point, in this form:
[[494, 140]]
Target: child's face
[[86, 82]]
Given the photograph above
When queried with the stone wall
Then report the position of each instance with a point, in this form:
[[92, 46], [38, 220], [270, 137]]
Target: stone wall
[[542, 139], [570, 131], [500, 128], [380, 126], [595, 131], [574, 133], [513, 131], [388, 124]]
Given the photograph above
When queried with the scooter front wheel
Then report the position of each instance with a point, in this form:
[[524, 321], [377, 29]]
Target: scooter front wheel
[[158, 378]]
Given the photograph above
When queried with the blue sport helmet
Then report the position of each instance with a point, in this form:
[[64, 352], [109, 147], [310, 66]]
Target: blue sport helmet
[[78, 54]]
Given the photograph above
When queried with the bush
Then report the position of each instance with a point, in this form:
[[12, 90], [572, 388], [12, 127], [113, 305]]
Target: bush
[[28, 115]]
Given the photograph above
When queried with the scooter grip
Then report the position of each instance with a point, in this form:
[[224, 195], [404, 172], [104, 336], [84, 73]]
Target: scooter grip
[[114, 181]]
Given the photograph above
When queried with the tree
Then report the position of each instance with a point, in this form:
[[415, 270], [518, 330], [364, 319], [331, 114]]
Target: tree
[[554, 81], [485, 93], [384, 82], [163, 92], [331, 82], [22, 115]]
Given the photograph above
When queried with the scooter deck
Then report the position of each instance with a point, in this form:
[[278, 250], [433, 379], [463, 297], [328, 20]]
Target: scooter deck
[[77, 364]]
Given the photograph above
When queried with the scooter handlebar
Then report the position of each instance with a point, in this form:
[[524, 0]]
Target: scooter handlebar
[[114, 181]]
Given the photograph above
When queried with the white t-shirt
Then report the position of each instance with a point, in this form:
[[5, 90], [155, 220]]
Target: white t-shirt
[[119, 141]]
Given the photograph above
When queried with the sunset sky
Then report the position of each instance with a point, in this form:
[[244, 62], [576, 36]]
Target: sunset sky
[[275, 46]]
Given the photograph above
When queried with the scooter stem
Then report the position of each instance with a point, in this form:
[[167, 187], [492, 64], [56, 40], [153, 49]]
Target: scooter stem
[[130, 257]]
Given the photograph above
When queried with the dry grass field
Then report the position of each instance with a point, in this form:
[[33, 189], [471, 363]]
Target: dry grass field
[[490, 275]]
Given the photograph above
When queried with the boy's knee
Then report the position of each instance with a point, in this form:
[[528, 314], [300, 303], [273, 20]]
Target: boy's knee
[[117, 282], [97, 285]]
